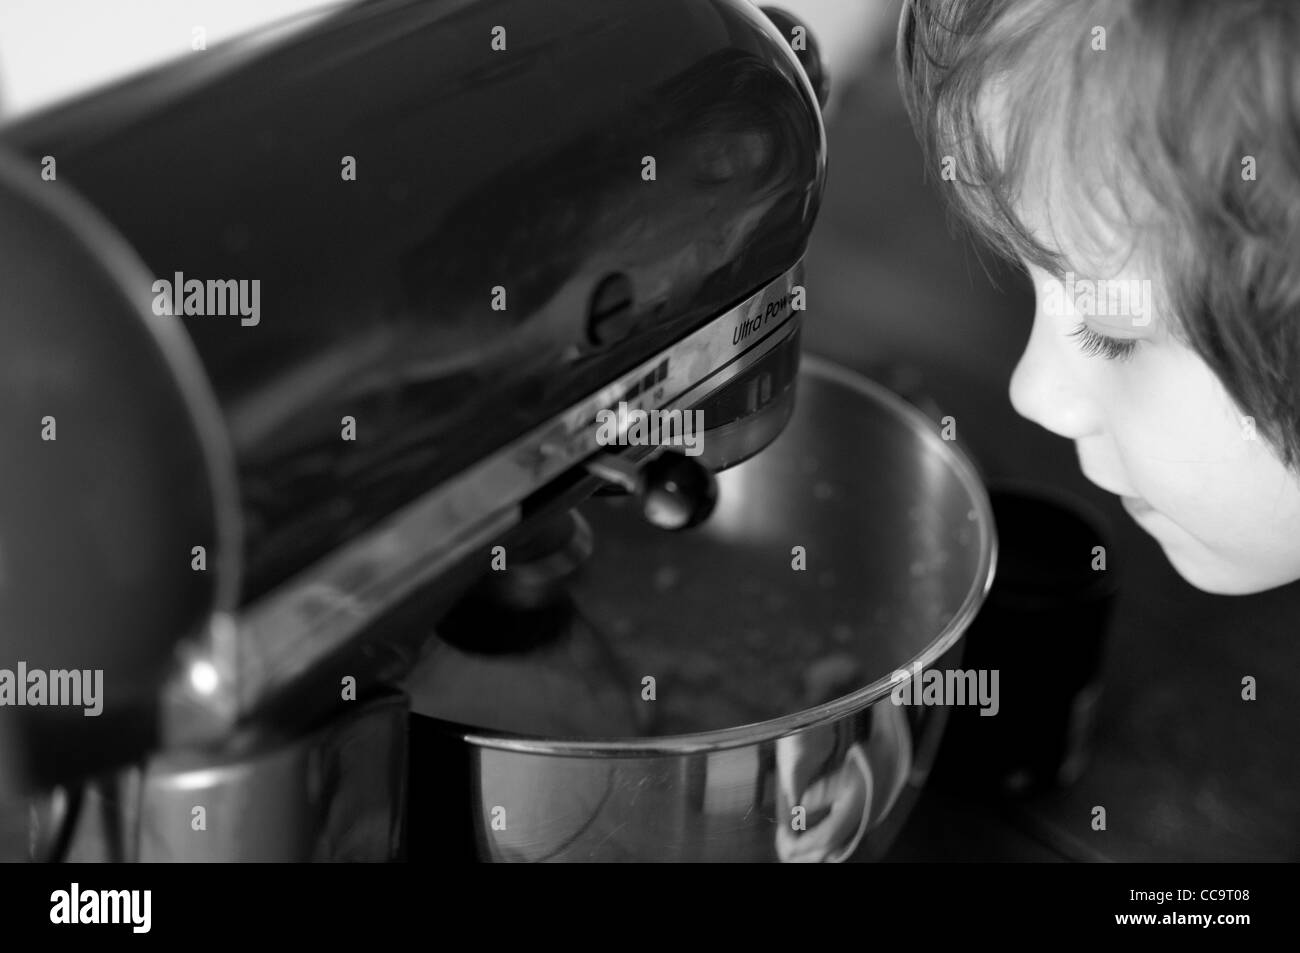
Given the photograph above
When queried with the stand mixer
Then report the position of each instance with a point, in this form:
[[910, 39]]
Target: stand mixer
[[475, 224]]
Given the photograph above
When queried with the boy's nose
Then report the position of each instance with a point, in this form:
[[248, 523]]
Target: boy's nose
[[1045, 389]]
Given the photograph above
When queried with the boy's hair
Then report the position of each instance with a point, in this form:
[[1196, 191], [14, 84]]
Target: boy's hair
[[1178, 120]]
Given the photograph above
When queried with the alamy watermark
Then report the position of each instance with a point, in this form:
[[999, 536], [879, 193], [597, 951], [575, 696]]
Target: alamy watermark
[[75, 688], [1101, 297], [216, 296], [947, 687], [76, 906], [641, 428]]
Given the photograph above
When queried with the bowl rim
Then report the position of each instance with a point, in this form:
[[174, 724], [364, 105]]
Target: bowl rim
[[838, 708]]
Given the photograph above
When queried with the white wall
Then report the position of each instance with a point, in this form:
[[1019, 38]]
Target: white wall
[[53, 49]]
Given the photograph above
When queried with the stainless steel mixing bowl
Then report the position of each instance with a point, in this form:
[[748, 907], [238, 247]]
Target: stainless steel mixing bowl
[[724, 693]]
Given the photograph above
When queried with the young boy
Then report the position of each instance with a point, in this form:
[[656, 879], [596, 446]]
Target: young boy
[[1141, 160]]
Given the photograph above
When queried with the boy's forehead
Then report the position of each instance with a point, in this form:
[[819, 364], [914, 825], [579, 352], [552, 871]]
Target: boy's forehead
[[1061, 194]]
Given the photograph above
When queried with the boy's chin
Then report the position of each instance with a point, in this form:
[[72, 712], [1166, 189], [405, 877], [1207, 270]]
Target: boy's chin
[[1220, 578]]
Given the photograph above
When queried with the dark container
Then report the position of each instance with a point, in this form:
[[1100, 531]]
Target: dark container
[[1043, 629]]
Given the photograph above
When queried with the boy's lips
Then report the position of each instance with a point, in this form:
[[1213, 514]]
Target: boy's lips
[[1135, 505], [1101, 484]]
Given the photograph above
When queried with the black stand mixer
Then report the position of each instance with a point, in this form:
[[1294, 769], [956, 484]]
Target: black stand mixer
[[474, 226]]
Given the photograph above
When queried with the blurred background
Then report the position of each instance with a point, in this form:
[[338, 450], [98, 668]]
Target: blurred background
[[1185, 769]]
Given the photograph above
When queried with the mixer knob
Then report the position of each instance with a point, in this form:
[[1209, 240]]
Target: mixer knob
[[675, 491]]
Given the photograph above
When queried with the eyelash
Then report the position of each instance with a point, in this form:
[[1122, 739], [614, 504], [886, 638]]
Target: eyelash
[[1098, 345]]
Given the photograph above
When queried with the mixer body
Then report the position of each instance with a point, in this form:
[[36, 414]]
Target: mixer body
[[384, 266]]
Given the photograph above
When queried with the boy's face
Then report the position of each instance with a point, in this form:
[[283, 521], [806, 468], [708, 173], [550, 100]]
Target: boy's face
[[1158, 429], [1150, 421]]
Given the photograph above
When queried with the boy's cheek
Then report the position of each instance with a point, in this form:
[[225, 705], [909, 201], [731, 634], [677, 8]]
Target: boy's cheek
[[1179, 433]]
